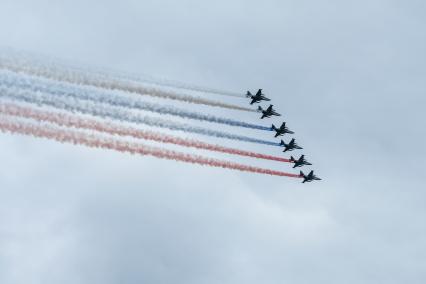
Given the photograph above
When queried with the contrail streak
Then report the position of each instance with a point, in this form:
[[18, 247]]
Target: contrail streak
[[175, 84], [93, 141], [62, 89], [62, 119], [36, 64], [110, 112], [104, 81]]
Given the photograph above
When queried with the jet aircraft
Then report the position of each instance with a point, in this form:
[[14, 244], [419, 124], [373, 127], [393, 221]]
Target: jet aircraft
[[300, 162], [257, 98], [268, 112], [290, 146], [308, 178], [282, 130]]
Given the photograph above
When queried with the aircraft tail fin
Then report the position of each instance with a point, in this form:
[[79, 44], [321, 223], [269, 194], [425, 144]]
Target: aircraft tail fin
[[273, 127], [249, 95], [305, 177], [292, 159], [282, 143], [259, 108]]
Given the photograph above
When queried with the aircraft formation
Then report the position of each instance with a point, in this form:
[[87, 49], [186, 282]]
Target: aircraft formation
[[49, 99], [281, 131]]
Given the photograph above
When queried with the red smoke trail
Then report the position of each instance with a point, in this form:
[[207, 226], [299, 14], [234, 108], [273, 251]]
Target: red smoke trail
[[80, 138], [114, 129]]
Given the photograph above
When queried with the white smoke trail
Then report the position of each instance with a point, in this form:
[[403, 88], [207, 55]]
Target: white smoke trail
[[101, 79], [115, 113], [11, 79]]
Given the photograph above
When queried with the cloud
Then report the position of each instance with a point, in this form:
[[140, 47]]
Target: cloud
[[348, 78]]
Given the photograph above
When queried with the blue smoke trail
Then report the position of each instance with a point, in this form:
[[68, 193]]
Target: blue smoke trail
[[93, 94], [111, 112]]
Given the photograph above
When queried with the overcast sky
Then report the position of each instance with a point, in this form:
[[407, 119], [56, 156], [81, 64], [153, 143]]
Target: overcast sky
[[348, 76]]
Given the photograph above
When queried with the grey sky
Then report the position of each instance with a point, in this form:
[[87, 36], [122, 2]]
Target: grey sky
[[349, 79]]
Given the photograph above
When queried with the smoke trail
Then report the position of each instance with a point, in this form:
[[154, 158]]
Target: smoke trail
[[114, 129], [105, 111], [13, 59], [93, 141], [62, 89], [110, 83], [173, 84]]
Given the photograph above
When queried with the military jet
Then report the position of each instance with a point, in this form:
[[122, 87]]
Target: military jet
[[257, 98], [268, 112], [290, 146], [300, 162], [308, 178], [282, 130]]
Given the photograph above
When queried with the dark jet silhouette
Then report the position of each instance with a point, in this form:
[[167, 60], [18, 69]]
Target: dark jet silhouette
[[300, 162], [282, 130], [308, 178], [268, 112], [290, 146], [257, 98]]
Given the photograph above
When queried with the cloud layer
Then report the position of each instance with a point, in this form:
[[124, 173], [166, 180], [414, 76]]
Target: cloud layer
[[348, 78]]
